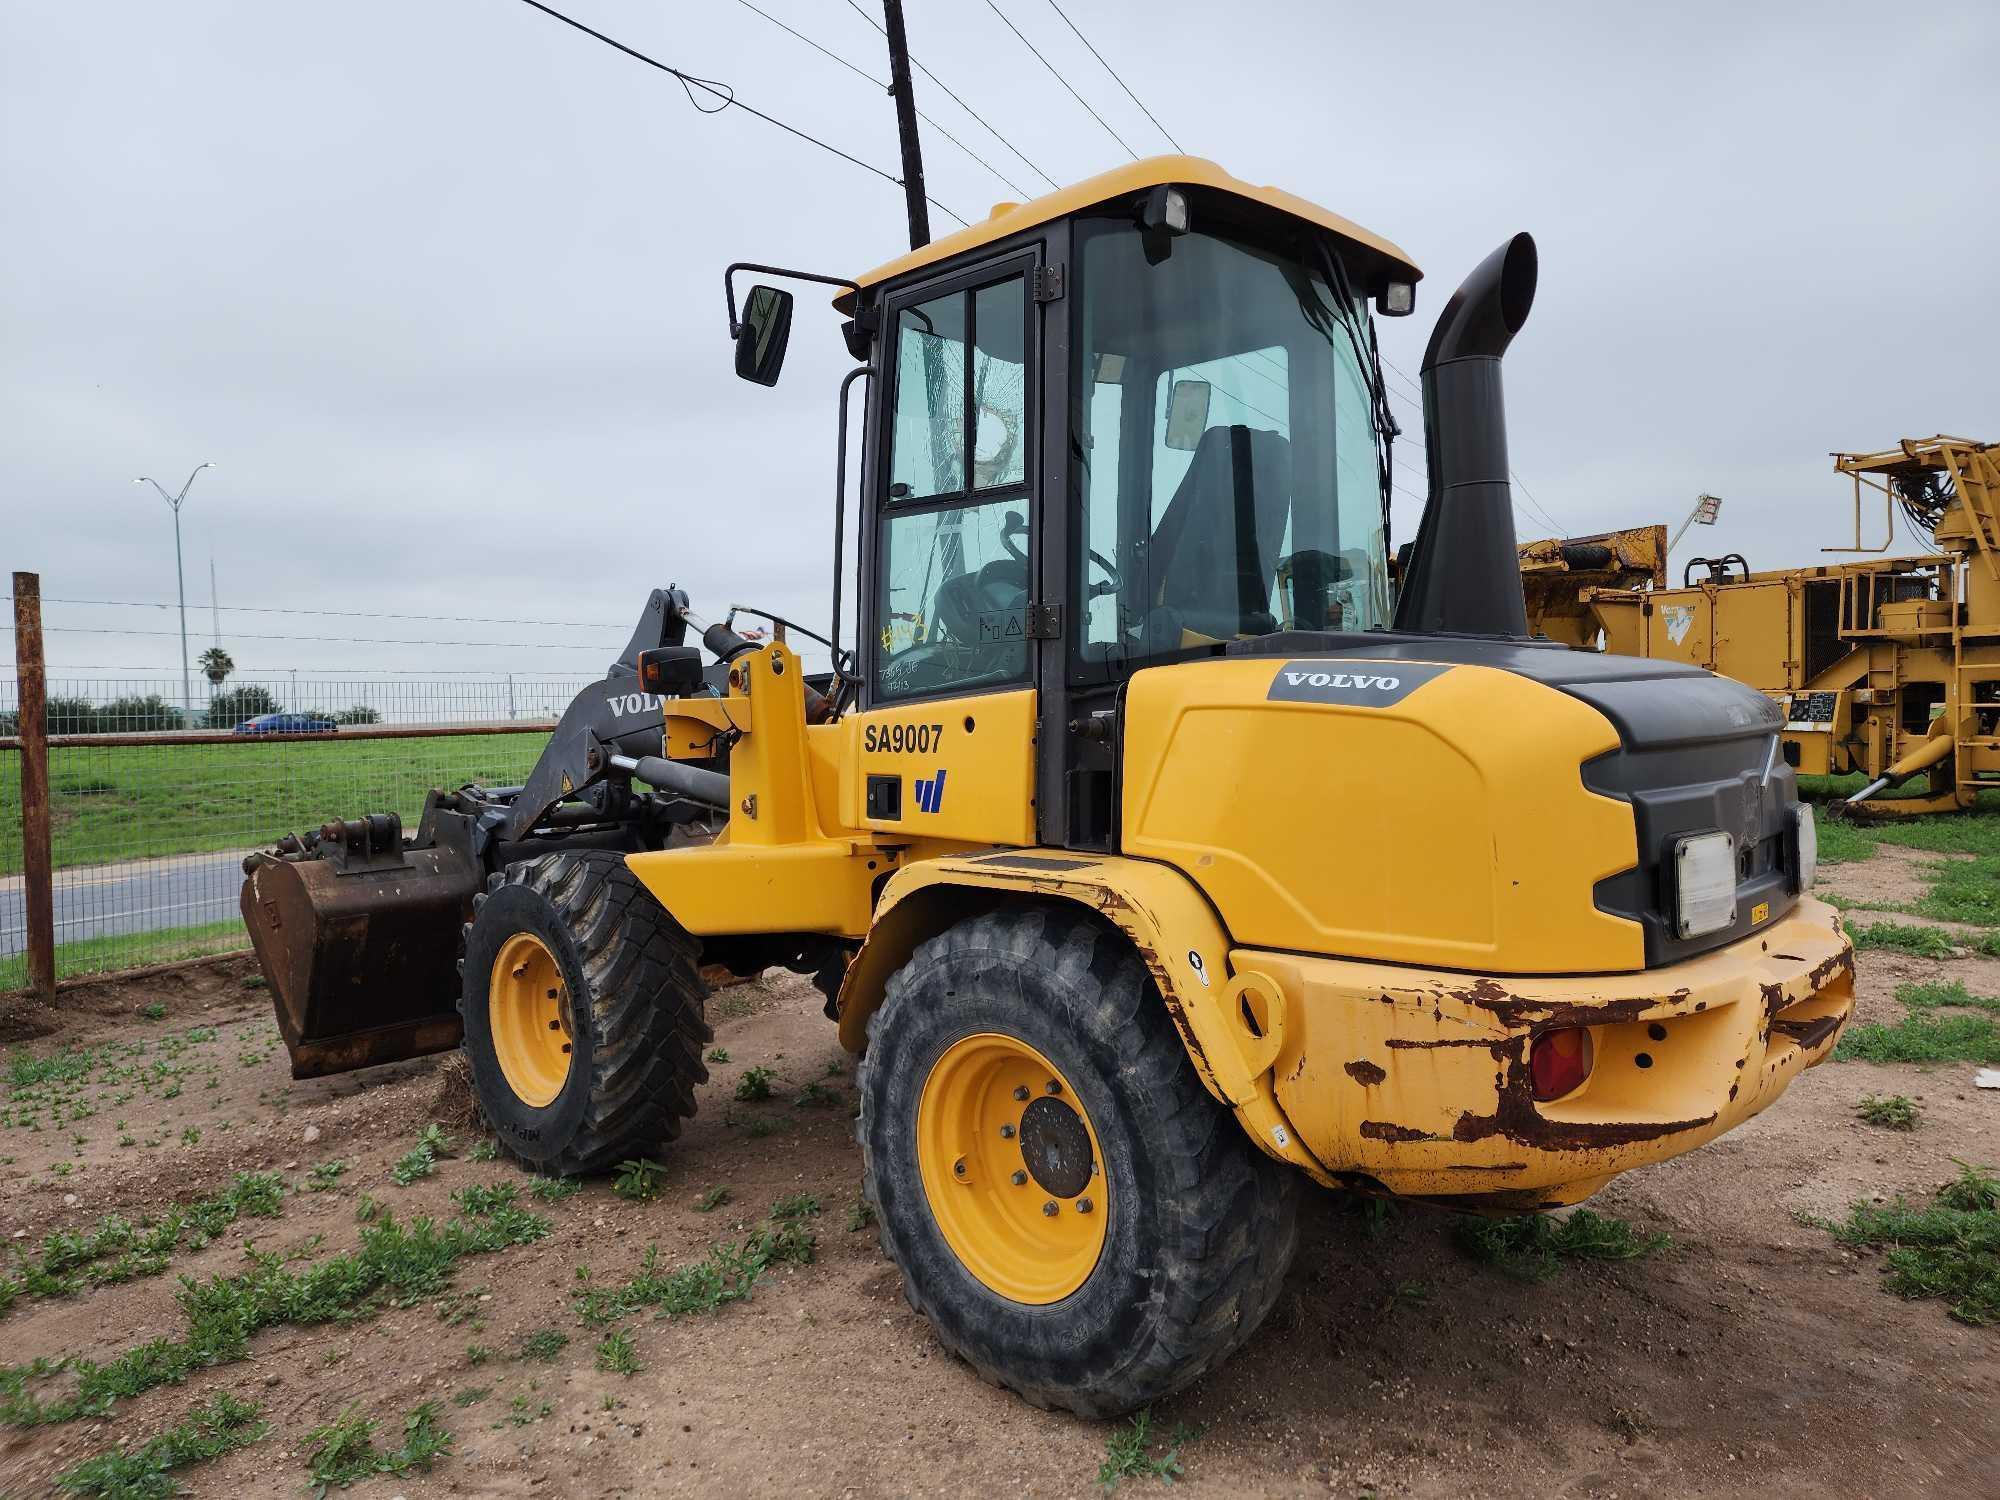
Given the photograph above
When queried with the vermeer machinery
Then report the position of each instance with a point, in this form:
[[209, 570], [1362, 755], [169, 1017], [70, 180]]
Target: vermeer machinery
[[1887, 665]]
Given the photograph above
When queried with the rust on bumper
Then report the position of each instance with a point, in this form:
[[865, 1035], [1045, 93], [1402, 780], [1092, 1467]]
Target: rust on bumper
[[1445, 1105]]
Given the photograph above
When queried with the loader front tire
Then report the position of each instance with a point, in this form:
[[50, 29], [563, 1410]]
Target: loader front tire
[[1074, 1215], [582, 1001]]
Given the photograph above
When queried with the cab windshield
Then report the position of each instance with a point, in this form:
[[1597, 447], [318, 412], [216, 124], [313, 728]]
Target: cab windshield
[[1232, 478]]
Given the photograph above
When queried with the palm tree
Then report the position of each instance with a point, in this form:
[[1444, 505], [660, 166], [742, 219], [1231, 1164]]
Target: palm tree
[[216, 665]]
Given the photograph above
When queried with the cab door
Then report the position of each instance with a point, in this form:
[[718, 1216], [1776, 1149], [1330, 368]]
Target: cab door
[[946, 725]]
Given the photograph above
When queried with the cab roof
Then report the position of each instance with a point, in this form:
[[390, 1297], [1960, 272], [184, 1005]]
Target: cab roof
[[1120, 182]]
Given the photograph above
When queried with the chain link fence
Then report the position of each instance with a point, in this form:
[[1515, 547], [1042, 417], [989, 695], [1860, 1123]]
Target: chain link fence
[[150, 811]]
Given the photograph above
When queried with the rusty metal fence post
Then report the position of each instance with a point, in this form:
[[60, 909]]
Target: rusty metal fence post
[[37, 864]]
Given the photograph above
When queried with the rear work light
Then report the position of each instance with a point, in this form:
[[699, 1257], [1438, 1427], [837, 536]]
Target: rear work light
[[1559, 1061], [1704, 866]]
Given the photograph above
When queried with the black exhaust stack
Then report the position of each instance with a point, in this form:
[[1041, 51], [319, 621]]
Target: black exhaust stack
[[1465, 568]]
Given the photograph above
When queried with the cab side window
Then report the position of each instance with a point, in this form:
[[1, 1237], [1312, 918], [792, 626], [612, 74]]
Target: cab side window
[[952, 613]]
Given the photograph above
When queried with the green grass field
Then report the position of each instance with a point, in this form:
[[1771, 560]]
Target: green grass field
[[116, 803]]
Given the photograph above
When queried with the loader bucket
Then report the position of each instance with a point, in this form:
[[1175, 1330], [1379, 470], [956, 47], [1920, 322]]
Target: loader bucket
[[359, 943]]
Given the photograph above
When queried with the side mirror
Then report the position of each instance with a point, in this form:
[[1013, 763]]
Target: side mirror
[[762, 335], [1187, 414], [671, 671]]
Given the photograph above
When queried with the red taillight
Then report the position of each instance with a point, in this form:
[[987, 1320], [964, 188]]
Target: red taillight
[[1559, 1061]]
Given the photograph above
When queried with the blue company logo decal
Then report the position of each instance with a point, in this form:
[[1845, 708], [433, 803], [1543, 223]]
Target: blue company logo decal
[[930, 792]]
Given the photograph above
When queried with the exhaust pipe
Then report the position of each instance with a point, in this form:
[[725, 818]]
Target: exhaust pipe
[[1465, 569]]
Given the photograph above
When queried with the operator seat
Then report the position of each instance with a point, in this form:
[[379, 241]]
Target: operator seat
[[1216, 547]]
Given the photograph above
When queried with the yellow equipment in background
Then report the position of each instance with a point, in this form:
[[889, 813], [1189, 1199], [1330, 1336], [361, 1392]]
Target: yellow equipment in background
[[1889, 666], [1557, 573]]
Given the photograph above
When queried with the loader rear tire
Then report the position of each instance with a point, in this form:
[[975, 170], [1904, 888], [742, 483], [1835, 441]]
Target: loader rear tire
[[582, 1001], [1072, 1212]]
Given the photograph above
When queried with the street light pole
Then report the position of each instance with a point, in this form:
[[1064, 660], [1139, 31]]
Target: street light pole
[[180, 581]]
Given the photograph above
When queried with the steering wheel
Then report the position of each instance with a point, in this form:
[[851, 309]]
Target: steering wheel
[[1111, 583], [1017, 525]]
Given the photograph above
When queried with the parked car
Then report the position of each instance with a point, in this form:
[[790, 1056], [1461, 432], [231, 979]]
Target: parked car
[[286, 724]]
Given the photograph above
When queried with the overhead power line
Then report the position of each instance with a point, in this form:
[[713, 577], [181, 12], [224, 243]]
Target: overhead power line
[[344, 614], [1062, 80], [1114, 73], [689, 83], [862, 72], [349, 640], [946, 90], [1530, 504]]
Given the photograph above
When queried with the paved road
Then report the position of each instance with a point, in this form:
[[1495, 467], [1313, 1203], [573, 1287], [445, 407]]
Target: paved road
[[140, 895]]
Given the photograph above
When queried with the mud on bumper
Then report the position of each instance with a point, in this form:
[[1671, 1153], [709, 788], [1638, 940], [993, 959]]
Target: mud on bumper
[[1417, 1081]]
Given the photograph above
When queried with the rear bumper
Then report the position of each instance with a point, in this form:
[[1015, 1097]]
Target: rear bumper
[[1417, 1080]]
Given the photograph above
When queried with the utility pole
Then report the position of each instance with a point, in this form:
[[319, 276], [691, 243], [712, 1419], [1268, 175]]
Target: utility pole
[[906, 125], [180, 580], [214, 609]]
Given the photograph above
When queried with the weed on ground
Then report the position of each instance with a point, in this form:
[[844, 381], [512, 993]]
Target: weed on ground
[[1922, 1038], [544, 1344], [343, 1452], [1893, 1113], [394, 1266], [728, 1273], [324, 1176], [1964, 890], [1948, 1250], [116, 1250], [1903, 937], [1946, 1023], [615, 1354], [1128, 1453], [639, 1180], [1841, 842], [754, 1085], [1533, 1246], [219, 1425]]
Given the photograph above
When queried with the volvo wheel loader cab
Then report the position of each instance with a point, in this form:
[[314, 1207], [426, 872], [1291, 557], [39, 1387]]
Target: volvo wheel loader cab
[[1152, 857]]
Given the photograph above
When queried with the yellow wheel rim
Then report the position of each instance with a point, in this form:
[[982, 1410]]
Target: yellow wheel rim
[[1012, 1169], [527, 1006]]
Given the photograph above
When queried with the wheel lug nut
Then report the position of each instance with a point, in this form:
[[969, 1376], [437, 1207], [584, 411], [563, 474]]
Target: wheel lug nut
[[555, 1026], [1054, 1087], [1006, 1132], [552, 994], [1020, 1179], [958, 1167], [1049, 1210], [1021, 1091], [1084, 1205]]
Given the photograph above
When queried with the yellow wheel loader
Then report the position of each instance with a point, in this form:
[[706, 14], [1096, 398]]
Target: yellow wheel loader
[[1152, 859]]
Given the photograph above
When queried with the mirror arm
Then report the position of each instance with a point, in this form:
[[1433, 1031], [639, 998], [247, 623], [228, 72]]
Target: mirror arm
[[729, 286]]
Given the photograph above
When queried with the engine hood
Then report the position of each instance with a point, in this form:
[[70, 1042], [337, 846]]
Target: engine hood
[[1467, 803]]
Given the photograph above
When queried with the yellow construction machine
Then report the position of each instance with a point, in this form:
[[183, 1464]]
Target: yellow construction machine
[[1888, 666], [1560, 576], [1152, 861]]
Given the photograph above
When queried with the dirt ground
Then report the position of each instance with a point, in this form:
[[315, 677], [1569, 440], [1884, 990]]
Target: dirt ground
[[1753, 1353]]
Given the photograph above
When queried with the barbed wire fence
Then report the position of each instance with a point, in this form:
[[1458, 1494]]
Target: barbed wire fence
[[146, 803]]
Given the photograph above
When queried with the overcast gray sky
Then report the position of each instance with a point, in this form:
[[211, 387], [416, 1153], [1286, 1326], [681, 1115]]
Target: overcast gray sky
[[437, 284]]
